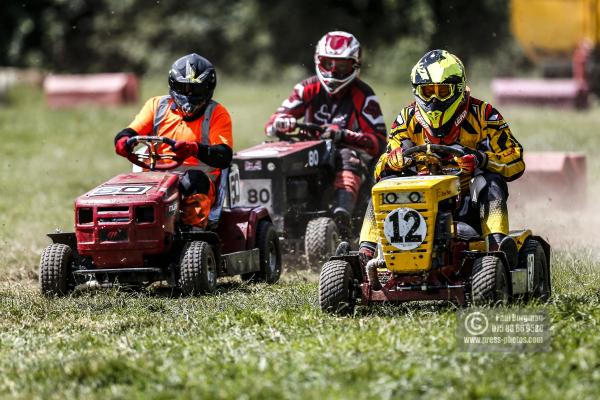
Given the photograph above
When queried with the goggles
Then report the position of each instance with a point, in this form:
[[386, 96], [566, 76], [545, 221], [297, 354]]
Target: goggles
[[189, 89], [337, 66], [441, 91]]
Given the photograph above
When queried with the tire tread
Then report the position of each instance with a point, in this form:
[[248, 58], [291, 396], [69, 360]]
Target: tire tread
[[54, 268], [334, 296]]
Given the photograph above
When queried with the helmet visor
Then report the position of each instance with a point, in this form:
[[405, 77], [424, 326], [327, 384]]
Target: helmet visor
[[441, 91], [337, 68], [189, 89]]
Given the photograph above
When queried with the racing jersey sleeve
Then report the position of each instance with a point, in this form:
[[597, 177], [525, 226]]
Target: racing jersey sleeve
[[367, 129], [220, 127], [504, 153], [294, 106], [142, 123], [399, 136], [219, 153]]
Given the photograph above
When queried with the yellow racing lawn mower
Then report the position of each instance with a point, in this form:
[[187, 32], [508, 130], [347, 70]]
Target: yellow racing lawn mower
[[424, 253]]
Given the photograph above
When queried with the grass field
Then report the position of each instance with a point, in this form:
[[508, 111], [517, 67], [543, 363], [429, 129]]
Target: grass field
[[259, 341]]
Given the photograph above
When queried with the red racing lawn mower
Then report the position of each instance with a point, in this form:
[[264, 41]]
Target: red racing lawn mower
[[128, 230], [293, 178]]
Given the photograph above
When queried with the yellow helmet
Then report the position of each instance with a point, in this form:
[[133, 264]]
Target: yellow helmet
[[439, 86]]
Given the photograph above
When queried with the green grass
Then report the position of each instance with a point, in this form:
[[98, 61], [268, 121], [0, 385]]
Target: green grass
[[254, 341]]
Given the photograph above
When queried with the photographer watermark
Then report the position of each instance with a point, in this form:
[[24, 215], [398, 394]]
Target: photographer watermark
[[509, 330]]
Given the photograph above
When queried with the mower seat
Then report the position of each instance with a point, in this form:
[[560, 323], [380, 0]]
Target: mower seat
[[215, 212]]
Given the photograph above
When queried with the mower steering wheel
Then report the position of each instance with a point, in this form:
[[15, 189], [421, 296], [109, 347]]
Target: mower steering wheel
[[307, 131], [432, 150], [149, 160]]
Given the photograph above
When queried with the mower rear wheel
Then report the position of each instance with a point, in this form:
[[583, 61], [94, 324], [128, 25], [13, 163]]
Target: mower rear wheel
[[541, 272], [267, 243], [198, 269], [320, 240], [489, 282], [337, 293], [55, 266]]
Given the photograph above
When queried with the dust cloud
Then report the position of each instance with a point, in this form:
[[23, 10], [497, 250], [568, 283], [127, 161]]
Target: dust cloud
[[566, 222]]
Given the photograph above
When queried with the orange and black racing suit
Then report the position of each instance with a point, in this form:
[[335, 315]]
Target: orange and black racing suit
[[211, 129], [484, 130]]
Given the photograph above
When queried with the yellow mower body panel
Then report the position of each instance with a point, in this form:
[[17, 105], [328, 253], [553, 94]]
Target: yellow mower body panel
[[420, 194], [519, 237]]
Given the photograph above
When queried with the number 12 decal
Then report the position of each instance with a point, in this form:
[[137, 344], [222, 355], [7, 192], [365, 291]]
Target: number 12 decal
[[405, 228]]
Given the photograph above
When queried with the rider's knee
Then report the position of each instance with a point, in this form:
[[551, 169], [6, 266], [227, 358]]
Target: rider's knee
[[488, 186], [194, 182]]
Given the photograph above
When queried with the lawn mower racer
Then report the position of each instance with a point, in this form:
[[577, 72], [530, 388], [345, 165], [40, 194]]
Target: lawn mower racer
[[441, 237], [130, 228], [348, 108]]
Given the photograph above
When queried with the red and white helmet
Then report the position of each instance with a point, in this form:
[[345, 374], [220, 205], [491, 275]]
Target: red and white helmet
[[337, 60]]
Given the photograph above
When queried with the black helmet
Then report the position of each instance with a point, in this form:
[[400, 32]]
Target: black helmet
[[192, 81]]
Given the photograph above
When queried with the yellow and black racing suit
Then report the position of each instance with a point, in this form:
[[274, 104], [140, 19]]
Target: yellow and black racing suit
[[500, 156]]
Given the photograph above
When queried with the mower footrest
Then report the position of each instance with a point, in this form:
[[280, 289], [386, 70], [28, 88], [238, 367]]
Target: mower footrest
[[242, 262], [116, 271], [519, 278]]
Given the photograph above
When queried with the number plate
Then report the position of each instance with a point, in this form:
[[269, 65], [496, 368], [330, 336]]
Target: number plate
[[405, 228], [255, 192]]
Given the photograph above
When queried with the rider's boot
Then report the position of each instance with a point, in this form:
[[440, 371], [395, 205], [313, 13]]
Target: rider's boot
[[193, 210], [343, 207]]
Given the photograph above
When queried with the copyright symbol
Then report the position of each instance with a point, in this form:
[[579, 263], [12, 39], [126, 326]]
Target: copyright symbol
[[476, 323]]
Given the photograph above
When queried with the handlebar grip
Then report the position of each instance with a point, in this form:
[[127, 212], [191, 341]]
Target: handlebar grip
[[132, 141], [310, 126], [169, 141]]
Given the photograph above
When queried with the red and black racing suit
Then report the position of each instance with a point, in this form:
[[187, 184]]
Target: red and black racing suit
[[354, 109]]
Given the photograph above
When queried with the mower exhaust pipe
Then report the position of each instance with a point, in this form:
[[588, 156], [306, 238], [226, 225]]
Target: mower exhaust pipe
[[372, 275]]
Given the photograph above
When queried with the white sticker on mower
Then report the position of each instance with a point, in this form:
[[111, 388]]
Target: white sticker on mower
[[405, 228], [234, 185], [260, 153], [111, 190], [255, 192]]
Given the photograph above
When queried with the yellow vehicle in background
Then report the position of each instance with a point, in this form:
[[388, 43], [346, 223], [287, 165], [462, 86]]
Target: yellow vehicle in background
[[561, 36], [552, 29]]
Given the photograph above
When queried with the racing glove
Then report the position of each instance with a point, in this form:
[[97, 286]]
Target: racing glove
[[185, 149], [334, 132], [481, 157], [121, 147], [284, 123], [395, 160], [467, 163]]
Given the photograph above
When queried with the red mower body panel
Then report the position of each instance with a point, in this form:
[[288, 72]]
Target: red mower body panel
[[127, 218], [237, 228]]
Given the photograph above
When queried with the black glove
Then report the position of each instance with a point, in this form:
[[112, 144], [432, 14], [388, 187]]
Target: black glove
[[334, 132]]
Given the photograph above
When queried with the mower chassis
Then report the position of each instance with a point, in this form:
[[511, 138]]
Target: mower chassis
[[394, 293], [235, 263]]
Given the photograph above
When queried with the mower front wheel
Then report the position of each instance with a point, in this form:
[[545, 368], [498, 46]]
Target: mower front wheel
[[55, 265], [198, 269], [320, 240], [337, 293], [489, 282]]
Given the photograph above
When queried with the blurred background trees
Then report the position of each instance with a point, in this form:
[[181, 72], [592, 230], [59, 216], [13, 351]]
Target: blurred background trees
[[255, 39]]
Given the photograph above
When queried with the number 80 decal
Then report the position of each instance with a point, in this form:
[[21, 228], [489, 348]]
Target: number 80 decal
[[405, 228]]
